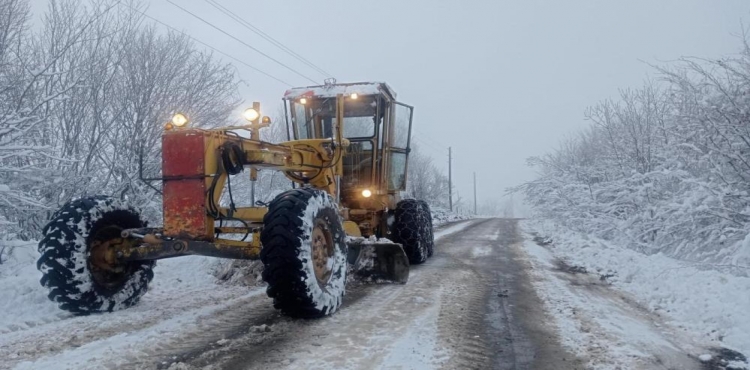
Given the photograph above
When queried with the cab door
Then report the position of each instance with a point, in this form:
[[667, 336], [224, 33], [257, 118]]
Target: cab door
[[398, 146]]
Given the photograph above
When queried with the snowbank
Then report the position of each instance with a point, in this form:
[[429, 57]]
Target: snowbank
[[25, 305], [710, 305], [24, 302], [441, 216]]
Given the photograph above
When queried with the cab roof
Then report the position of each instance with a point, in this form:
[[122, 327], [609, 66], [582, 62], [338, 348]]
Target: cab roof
[[328, 91]]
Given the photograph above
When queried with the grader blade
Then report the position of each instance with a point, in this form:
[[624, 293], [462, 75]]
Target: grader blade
[[378, 261]]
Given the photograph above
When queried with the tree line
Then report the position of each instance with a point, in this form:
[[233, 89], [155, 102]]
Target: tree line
[[82, 95], [664, 168]]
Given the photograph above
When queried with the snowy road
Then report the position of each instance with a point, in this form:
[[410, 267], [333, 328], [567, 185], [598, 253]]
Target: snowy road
[[476, 304], [468, 307]]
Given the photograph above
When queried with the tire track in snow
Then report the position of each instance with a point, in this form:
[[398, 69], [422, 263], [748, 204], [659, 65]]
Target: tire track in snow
[[157, 342], [251, 324], [608, 328], [371, 327], [461, 313], [508, 323], [450, 315], [365, 329], [70, 333], [475, 346]]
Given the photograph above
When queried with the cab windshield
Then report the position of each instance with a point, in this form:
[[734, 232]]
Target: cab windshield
[[315, 118], [362, 119]]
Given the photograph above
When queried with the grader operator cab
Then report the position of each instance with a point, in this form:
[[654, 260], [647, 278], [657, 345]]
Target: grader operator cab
[[347, 157]]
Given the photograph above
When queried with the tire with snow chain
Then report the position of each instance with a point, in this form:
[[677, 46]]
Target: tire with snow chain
[[429, 237], [75, 281], [304, 253], [410, 231]]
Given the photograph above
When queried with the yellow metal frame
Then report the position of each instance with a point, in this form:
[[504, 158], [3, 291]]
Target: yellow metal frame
[[314, 162]]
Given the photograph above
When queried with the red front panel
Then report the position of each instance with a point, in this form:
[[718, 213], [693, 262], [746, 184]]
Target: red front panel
[[183, 155]]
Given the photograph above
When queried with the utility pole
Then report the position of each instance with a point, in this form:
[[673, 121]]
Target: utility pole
[[475, 193], [450, 180]]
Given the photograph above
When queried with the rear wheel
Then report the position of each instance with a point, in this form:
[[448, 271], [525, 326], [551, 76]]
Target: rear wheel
[[72, 260], [428, 235], [304, 253], [409, 229]]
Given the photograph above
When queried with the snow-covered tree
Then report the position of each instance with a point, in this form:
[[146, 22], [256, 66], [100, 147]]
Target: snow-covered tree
[[29, 87], [84, 96], [425, 180], [664, 168]]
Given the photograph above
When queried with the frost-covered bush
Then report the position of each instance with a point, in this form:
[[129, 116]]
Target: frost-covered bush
[[442, 216], [666, 168], [83, 95]]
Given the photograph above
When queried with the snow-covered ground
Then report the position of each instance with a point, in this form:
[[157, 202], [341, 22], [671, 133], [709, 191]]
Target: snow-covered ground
[[184, 290], [183, 297], [24, 302], [610, 308], [611, 300]]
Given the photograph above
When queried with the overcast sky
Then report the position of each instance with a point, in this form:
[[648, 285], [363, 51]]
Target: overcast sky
[[499, 81]]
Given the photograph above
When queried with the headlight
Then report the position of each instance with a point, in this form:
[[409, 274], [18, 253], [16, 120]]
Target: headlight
[[303, 101], [366, 193], [354, 96], [179, 120], [250, 114]]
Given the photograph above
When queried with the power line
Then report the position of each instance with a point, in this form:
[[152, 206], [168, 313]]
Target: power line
[[207, 45], [427, 144], [242, 42], [425, 136], [266, 36]]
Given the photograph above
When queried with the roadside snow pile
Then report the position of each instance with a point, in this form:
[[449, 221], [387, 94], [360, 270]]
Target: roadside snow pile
[[25, 305], [708, 304], [441, 216], [239, 272], [24, 301], [12, 252]]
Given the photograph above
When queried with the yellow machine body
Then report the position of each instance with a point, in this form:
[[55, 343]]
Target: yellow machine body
[[364, 172]]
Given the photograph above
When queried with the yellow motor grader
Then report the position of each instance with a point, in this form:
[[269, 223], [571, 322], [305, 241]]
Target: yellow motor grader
[[347, 157]]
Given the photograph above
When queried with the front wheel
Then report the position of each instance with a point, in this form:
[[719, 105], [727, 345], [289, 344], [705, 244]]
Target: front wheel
[[304, 253], [79, 279]]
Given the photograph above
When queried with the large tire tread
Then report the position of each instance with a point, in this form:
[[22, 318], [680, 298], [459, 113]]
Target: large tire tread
[[64, 253], [428, 232], [284, 270], [409, 230]]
